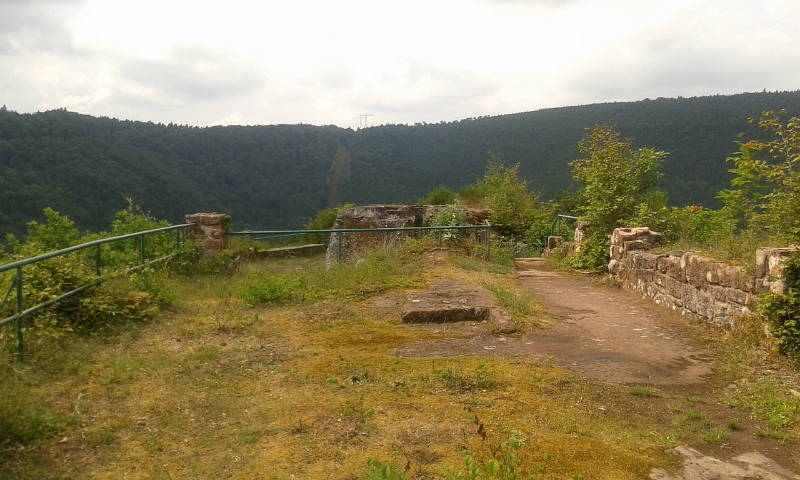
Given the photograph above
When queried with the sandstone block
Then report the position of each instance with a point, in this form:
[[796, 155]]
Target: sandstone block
[[614, 267], [695, 268], [671, 266], [769, 261], [554, 241]]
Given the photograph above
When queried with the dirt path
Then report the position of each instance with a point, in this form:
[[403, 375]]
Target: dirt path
[[612, 336]]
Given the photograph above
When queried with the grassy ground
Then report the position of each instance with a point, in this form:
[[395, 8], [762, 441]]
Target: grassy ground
[[252, 377]]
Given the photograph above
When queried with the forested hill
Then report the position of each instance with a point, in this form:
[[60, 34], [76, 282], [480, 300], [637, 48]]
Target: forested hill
[[279, 176]]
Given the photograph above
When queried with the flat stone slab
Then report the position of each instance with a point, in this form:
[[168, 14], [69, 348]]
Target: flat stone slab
[[298, 251], [748, 466], [449, 300]]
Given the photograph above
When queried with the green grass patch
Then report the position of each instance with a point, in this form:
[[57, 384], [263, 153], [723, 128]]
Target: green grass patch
[[769, 399], [377, 271], [478, 265], [515, 303], [779, 436], [455, 379], [714, 434]]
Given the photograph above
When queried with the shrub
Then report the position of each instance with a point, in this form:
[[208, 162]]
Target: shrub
[[784, 309], [439, 196], [271, 290]]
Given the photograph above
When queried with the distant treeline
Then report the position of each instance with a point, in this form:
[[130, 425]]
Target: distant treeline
[[281, 175]]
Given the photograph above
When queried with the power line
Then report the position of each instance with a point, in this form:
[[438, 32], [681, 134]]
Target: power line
[[365, 116]]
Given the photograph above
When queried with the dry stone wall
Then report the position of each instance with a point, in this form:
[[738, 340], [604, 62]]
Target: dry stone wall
[[208, 231], [689, 282], [383, 216]]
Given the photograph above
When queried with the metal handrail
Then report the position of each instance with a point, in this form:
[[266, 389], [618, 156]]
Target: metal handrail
[[93, 243], [339, 231], [17, 282], [557, 222]]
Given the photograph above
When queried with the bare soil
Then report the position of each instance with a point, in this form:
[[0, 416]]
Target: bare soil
[[608, 335]]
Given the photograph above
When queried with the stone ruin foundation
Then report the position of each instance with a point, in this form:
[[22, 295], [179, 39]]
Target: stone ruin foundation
[[383, 216], [689, 282]]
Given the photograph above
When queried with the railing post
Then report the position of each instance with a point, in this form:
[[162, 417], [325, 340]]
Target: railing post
[[20, 345], [97, 264], [488, 244], [339, 244], [440, 238], [177, 240], [141, 247]]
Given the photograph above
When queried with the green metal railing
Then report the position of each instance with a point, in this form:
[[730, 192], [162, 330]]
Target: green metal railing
[[485, 230], [17, 282], [555, 229]]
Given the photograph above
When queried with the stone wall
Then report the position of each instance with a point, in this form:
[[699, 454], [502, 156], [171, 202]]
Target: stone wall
[[689, 282], [383, 216], [208, 232]]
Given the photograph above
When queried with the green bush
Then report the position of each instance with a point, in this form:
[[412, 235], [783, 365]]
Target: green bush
[[439, 196], [449, 216], [324, 220], [99, 305], [783, 309], [272, 290]]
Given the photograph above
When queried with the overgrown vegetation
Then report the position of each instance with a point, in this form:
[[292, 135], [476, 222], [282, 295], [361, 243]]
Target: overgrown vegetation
[[102, 305], [783, 309], [303, 378]]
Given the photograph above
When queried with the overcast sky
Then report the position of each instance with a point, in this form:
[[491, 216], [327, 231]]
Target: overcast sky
[[324, 62]]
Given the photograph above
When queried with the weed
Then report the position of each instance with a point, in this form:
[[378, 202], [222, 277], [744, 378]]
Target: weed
[[714, 434], [383, 471], [120, 370], [479, 265], [515, 303], [455, 379], [26, 419], [357, 373], [781, 437], [271, 290], [692, 417], [770, 400], [231, 320], [734, 425], [102, 436]]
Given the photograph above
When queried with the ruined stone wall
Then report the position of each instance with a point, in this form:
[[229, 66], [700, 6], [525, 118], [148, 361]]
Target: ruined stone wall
[[208, 232], [689, 282], [383, 216]]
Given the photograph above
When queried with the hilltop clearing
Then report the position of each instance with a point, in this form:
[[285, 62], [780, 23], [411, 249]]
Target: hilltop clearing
[[285, 370]]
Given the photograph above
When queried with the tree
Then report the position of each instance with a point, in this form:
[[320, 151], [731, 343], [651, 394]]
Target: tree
[[766, 192], [615, 178], [616, 182], [512, 207]]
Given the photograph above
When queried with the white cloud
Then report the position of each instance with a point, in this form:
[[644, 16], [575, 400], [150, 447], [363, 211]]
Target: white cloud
[[324, 62]]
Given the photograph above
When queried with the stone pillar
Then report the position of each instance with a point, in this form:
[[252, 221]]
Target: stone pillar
[[769, 268], [627, 239], [208, 231]]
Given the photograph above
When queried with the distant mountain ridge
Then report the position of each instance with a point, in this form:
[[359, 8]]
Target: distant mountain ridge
[[280, 175]]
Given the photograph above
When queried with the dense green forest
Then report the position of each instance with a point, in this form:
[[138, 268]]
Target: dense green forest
[[280, 176]]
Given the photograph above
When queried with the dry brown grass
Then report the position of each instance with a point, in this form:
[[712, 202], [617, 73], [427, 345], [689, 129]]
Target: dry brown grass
[[311, 390]]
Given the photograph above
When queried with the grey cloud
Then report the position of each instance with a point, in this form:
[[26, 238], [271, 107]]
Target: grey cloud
[[36, 26], [194, 73], [428, 87], [684, 63]]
